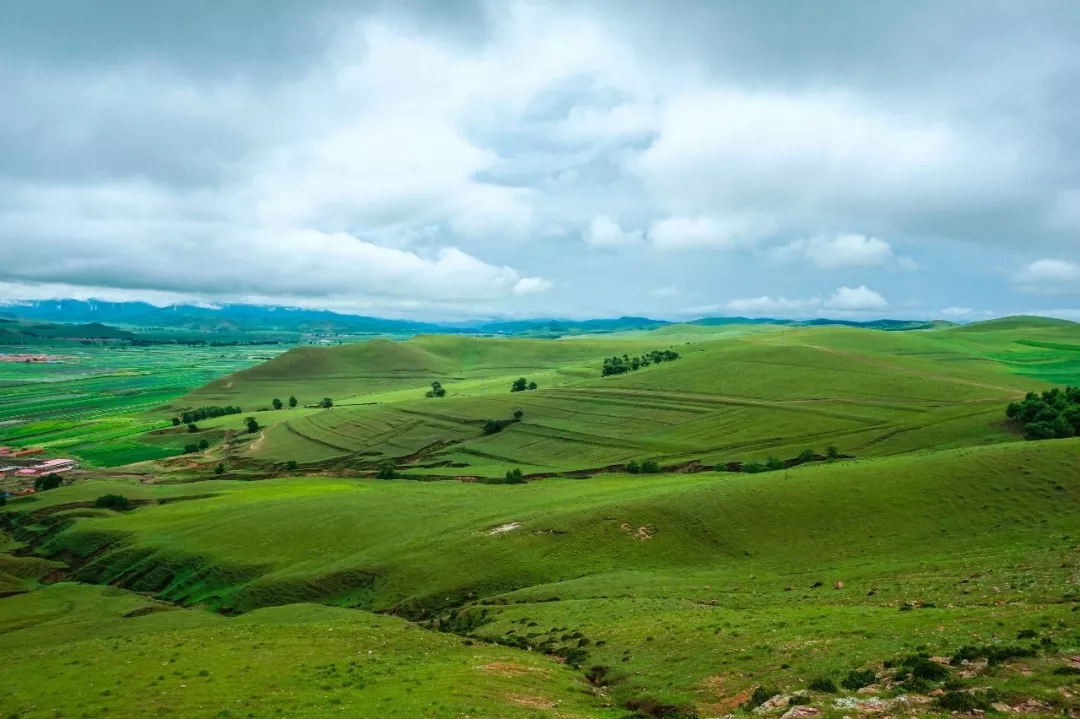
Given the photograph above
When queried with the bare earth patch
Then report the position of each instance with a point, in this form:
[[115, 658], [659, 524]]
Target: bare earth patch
[[504, 528], [641, 533]]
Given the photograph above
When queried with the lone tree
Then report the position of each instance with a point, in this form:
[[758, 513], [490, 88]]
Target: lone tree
[[832, 452], [220, 469], [277, 403], [386, 469], [520, 385], [292, 402], [326, 403], [175, 421], [204, 444], [252, 425], [518, 414], [192, 427], [191, 448], [292, 465], [532, 385], [436, 390], [514, 476]]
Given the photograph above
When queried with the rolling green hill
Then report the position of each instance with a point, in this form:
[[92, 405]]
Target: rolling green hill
[[926, 567]]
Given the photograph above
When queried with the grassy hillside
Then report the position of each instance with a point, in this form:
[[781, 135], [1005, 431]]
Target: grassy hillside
[[737, 393], [680, 577]]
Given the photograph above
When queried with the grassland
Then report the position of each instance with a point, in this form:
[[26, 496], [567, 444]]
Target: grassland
[[590, 592]]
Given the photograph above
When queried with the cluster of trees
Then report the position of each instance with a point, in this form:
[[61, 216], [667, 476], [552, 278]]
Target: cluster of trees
[[493, 426], [436, 390], [514, 476], [194, 415], [278, 404], [49, 481], [386, 469], [112, 501], [202, 446], [1054, 414], [626, 363], [648, 466], [521, 384], [326, 403]]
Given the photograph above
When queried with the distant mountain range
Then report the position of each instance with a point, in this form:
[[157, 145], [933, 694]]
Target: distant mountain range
[[141, 316]]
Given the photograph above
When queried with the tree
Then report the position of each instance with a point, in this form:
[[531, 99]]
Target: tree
[[832, 452], [292, 465], [436, 390], [112, 501], [492, 426], [252, 425], [292, 402], [633, 467], [175, 421], [519, 385], [49, 481], [772, 464], [192, 428], [650, 466], [752, 467], [277, 403], [326, 403], [386, 469], [518, 414], [807, 455], [532, 385], [514, 476], [191, 448], [220, 469], [204, 444]]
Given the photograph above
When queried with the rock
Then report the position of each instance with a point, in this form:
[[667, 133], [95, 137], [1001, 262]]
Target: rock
[[780, 700], [838, 585], [1001, 707], [1032, 706], [937, 692], [801, 712]]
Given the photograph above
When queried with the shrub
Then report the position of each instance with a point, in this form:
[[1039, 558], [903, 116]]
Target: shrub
[[832, 452], [204, 444], [858, 678], [752, 467], [807, 455], [966, 702], [191, 448], [823, 684], [759, 697], [649, 466], [772, 464], [518, 414], [49, 481], [220, 469], [292, 465], [386, 470], [514, 476], [112, 501], [175, 421], [532, 385], [492, 426], [633, 467], [192, 428]]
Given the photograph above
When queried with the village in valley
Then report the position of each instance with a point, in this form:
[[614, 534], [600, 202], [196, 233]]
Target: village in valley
[[22, 471]]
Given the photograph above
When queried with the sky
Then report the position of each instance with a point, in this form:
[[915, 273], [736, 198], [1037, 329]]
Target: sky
[[446, 159]]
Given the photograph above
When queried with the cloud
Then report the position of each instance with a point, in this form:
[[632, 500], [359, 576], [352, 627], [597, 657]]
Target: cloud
[[1049, 277], [857, 299], [765, 305], [704, 231], [605, 232], [532, 285], [845, 301], [846, 250], [964, 314], [664, 292]]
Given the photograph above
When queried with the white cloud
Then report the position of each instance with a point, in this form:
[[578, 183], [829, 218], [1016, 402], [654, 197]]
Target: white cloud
[[845, 302], [663, 292], [705, 231], [856, 299], [531, 285], [846, 250], [964, 314], [605, 232], [1049, 277], [765, 305]]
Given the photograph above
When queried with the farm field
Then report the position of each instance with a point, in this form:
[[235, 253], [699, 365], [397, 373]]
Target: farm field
[[95, 404], [926, 565]]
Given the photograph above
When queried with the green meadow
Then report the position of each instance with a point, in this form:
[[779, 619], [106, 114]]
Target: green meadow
[[929, 566]]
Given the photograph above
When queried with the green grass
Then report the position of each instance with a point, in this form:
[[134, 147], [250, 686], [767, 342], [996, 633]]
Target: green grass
[[595, 596]]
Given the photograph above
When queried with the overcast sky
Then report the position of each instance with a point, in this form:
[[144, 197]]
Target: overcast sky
[[445, 159]]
